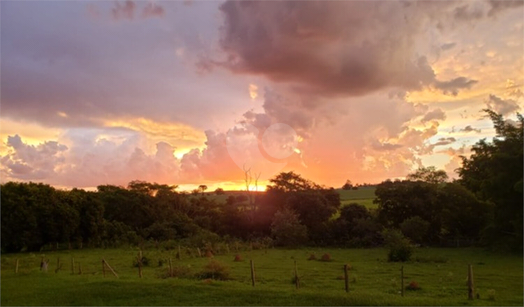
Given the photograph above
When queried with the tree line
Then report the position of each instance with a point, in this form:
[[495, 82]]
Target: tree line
[[483, 206]]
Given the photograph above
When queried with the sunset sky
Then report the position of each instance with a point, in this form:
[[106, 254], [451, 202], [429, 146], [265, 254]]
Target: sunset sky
[[192, 92]]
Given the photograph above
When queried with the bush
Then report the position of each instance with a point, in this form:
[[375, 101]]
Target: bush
[[177, 271], [215, 270], [312, 257], [400, 248], [238, 258]]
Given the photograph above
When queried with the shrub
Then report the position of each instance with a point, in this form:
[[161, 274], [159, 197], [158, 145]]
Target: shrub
[[238, 258], [209, 254], [177, 271], [312, 257], [326, 257], [413, 285], [215, 270], [400, 248]]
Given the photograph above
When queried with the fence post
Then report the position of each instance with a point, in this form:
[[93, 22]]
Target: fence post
[[16, 266], [109, 267], [79, 268], [170, 268], [252, 273], [72, 265], [471, 291], [139, 260], [103, 268], [346, 279], [297, 281], [402, 281]]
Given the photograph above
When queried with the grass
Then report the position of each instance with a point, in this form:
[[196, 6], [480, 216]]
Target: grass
[[363, 196], [373, 280]]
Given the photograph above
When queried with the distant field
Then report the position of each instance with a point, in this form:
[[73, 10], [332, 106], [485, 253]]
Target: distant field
[[362, 196], [441, 275]]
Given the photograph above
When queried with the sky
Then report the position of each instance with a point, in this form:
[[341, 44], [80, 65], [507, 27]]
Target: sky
[[205, 92]]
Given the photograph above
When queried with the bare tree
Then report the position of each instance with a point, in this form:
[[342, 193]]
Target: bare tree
[[248, 178]]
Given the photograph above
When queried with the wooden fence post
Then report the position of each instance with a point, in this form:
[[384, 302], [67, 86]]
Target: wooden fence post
[[109, 267], [199, 253], [402, 281], [72, 265], [252, 273], [471, 291], [58, 265], [139, 260], [346, 277], [16, 266], [297, 282], [79, 268]]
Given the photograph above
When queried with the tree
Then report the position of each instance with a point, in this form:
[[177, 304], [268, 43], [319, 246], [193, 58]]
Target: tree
[[202, 188], [494, 173], [348, 185], [219, 191], [428, 174], [287, 229]]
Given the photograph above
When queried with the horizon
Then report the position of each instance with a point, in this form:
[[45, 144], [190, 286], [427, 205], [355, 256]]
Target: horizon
[[203, 92]]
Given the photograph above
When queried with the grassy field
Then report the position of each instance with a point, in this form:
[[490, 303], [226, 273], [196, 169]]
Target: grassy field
[[362, 196], [441, 274]]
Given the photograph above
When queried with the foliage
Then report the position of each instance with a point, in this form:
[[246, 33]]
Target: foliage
[[494, 173], [415, 228], [400, 249], [287, 229], [429, 175], [215, 270]]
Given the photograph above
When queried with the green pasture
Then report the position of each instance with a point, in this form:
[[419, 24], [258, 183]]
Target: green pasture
[[440, 273]]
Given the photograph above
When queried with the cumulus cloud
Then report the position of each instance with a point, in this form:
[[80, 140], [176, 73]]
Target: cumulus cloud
[[333, 48], [502, 106], [28, 162]]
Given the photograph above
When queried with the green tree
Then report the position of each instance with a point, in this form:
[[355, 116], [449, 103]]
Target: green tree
[[428, 174], [494, 173], [287, 230]]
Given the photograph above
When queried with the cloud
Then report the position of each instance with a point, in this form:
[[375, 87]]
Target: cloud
[[336, 48], [436, 114], [502, 106], [28, 162], [129, 9], [124, 11], [152, 10], [468, 129], [453, 86], [448, 46], [445, 141], [498, 6]]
